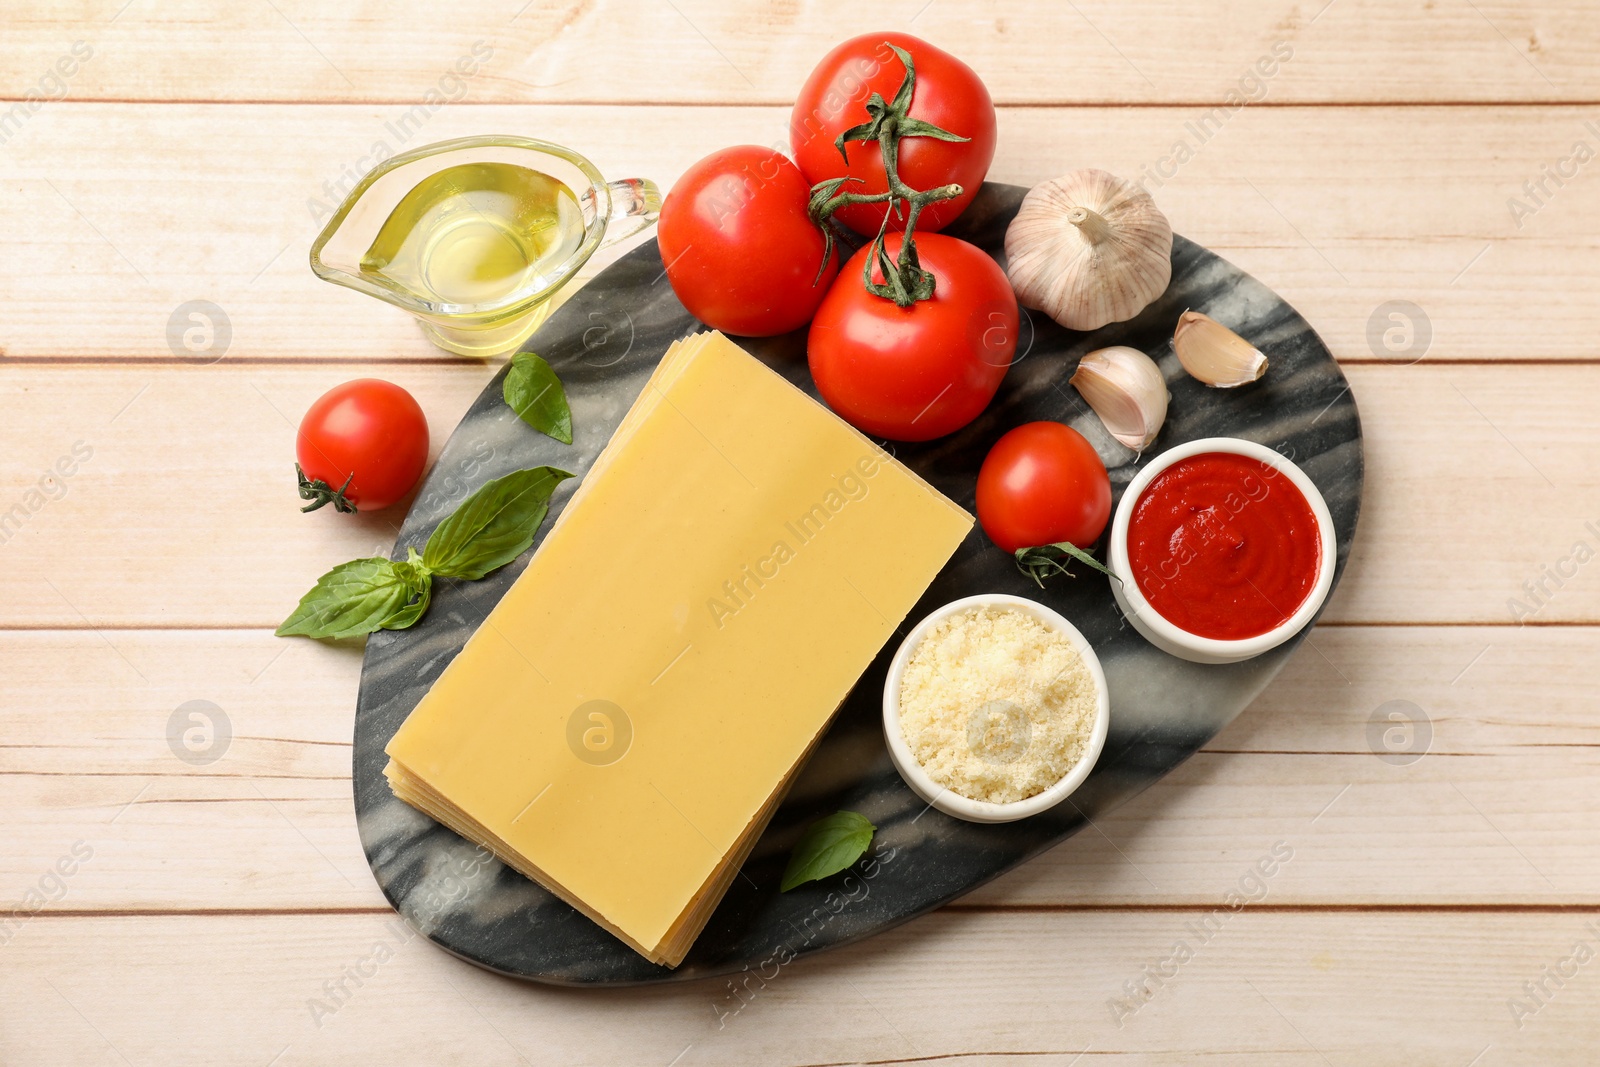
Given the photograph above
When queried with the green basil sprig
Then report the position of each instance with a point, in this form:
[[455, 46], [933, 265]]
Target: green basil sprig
[[534, 392], [491, 528], [828, 846]]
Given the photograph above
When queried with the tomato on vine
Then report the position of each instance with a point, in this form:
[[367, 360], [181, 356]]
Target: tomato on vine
[[857, 91], [918, 372], [914, 337], [361, 446]]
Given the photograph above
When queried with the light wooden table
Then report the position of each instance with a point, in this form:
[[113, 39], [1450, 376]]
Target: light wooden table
[[212, 909]]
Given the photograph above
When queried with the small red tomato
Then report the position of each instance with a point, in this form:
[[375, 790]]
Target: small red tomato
[[368, 433], [741, 252], [915, 373], [1043, 483]]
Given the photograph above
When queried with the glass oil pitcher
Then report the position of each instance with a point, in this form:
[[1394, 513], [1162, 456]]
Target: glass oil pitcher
[[474, 236]]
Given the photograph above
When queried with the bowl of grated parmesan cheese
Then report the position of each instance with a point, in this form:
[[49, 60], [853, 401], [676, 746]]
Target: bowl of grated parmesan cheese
[[995, 708]]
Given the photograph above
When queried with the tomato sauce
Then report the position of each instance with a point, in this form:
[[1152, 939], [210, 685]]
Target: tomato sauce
[[1224, 546]]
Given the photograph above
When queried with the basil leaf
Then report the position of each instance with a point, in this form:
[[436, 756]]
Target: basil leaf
[[829, 846], [534, 393], [352, 599], [493, 526]]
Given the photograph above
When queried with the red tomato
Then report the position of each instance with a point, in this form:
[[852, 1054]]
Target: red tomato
[[370, 428], [948, 94], [1043, 483], [916, 373], [740, 250]]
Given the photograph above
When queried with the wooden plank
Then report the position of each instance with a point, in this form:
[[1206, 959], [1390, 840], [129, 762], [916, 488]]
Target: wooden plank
[[1470, 493], [252, 809], [1479, 479], [1497, 810], [1264, 989], [105, 229], [702, 51], [187, 500]]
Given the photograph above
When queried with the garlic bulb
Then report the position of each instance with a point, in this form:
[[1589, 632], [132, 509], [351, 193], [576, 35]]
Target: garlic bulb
[[1088, 249], [1215, 354], [1125, 388]]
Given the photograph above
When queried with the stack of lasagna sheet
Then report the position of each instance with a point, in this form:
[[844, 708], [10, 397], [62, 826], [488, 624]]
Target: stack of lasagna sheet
[[625, 722]]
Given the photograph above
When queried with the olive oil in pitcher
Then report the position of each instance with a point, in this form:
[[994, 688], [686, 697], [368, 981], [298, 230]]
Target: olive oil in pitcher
[[477, 233], [477, 237]]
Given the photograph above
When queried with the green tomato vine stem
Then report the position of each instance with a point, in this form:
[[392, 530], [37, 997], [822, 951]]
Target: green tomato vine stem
[[320, 492], [905, 282]]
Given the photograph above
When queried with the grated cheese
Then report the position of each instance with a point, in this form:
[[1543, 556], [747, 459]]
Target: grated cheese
[[996, 705]]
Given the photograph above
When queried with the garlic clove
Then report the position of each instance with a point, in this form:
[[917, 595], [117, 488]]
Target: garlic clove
[[1215, 354], [1088, 249], [1125, 388]]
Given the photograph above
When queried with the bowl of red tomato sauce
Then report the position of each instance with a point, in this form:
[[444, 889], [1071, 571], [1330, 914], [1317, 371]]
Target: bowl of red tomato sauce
[[1223, 549]]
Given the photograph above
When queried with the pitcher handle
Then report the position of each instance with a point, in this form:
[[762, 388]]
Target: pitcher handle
[[635, 204]]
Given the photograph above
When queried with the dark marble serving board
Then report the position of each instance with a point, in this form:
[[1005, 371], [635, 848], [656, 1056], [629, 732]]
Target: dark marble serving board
[[604, 342]]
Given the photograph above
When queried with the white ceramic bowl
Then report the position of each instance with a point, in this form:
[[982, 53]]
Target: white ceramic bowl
[[952, 803], [1171, 638]]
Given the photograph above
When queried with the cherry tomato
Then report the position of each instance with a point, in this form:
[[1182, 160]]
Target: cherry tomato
[[740, 250], [1043, 483], [948, 94], [916, 373], [368, 431]]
